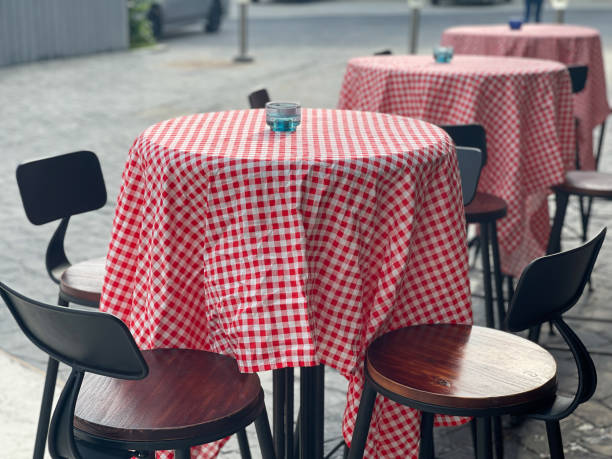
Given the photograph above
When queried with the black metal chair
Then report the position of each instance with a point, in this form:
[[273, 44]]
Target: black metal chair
[[56, 188], [132, 402], [259, 98], [472, 371], [484, 210]]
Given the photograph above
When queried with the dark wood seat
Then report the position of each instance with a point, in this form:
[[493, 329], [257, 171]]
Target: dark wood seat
[[462, 367], [187, 394], [81, 283], [485, 208], [587, 183]]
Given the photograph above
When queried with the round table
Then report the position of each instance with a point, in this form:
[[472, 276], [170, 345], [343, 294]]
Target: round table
[[569, 44], [290, 249], [525, 106]]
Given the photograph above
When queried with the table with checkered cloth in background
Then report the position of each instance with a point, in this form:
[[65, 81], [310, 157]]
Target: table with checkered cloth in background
[[525, 106], [565, 43], [291, 249]]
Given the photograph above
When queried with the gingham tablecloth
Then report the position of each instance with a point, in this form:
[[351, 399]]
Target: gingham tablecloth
[[525, 106], [569, 44], [286, 250]]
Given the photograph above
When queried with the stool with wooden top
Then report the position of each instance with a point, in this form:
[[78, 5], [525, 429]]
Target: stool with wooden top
[[120, 402], [466, 370], [484, 210], [56, 188]]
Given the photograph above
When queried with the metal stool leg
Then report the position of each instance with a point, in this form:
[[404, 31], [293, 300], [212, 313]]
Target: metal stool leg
[[362, 424], [486, 274], [554, 241], [282, 409], [499, 287], [498, 437], [264, 436], [484, 449], [182, 453], [243, 444], [555, 443], [47, 402], [426, 448]]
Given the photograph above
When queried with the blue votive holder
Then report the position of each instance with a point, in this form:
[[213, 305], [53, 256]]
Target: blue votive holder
[[443, 54], [515, 23], [283, 116]]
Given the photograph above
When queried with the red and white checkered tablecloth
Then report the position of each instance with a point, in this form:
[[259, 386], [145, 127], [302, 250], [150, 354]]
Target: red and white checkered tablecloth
[[569, 44], [286, 250], [525, 106]]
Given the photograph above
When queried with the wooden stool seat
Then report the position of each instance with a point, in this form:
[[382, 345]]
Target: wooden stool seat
[[82, 282], [462, 367], [485, 208], [587, 183], [187, 394]]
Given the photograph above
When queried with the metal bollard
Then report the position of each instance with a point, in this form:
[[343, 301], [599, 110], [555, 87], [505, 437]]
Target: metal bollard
[[415, 6], [560, 6], [242, 34]]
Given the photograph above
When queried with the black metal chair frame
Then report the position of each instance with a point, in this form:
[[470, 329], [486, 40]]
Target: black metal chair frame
[[259, 98], [473, 135], [558, 270], [99, 343], [56, 188]]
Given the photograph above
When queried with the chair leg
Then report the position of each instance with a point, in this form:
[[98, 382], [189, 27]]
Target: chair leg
[[182, 453], [47, 401], [554, 241], [486, 274], [555, 443], [45, 409], [484, 448], [499, 287], [510, 280], [426, 448], [498, 437], [362, 424], [264, 436], [243, 444]]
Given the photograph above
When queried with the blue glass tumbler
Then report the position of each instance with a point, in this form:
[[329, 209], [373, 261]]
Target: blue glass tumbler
[[443, 54], [283, 116]]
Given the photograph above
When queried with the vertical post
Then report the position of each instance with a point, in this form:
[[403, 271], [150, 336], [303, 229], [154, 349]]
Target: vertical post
[[560, 6], [415, 16], [560, 16], [242, 33], [414, 30]]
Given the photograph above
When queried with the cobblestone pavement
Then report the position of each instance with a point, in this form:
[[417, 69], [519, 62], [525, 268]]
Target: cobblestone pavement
[[102, 102]]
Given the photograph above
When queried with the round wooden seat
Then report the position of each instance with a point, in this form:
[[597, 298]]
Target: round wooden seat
[[82, 282], [187, 394], [462, 368], [485, 207], [587, 183]]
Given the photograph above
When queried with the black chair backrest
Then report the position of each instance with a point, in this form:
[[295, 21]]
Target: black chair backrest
[[384, 52], [85, 340], [551, 285], [470, 165], [468, 135], [61, 186], [259, 99], [578, 75]]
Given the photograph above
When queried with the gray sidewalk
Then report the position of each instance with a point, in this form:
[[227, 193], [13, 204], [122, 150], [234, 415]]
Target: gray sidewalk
[[103, 102]]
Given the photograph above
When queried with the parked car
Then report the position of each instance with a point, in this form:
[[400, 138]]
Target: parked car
[[165, 12]]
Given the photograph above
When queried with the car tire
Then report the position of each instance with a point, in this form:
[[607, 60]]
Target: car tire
[[213, 21], [155, 16]]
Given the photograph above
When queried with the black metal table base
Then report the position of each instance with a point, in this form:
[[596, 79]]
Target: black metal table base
[[311, 414]]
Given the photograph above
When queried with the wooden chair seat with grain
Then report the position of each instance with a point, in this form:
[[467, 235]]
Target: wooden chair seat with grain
[[120, 402]]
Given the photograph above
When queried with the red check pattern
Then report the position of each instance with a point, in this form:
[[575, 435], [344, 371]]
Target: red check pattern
[[287, 250], [569, 44], [525, 106]]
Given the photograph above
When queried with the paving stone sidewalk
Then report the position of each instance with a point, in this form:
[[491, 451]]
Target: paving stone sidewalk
[[102, 102]]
